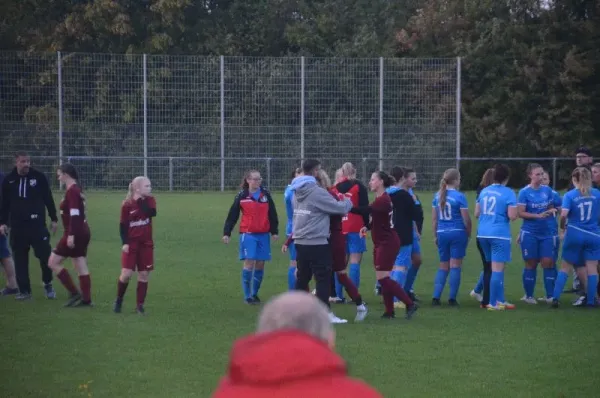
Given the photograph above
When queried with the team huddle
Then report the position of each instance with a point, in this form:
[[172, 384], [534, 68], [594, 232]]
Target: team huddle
[[327, 225]]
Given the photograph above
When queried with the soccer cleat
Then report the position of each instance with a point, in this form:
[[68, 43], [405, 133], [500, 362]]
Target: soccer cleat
[[410, 311], [249, 300], [74, 299], [476, 296], [361, 313], [117, 306], [506, 305], [400, 305], [529, 300], [82, 304], [256, 299], [336, 300], [453, 303], [50, 292], [555, 303], [140, 309], [388, 315], [580, 302], [496, 307], [547, 300], [413, 296], [23, 296], [335, 319], [436, 302], [8, 291]]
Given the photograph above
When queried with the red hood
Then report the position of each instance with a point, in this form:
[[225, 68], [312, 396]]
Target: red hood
[[282, 356]]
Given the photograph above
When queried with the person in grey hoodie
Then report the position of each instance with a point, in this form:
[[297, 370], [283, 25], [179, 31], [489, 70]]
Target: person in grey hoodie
[[312, 207]]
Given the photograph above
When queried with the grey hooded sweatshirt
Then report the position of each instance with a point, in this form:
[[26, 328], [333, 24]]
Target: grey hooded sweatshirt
[[312, 207]]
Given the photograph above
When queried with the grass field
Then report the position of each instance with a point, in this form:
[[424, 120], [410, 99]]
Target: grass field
[[195, 311]]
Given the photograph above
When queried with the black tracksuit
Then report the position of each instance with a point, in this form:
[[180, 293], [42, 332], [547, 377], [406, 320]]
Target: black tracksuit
[[25, 199]]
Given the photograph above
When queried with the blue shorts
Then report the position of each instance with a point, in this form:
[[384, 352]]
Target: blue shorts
[[452, 244], [416, 245], [4, 252], [292, 251], [496, 250], [403, 257], [580, 246], [355, 244], [255, 247], [535, 248]]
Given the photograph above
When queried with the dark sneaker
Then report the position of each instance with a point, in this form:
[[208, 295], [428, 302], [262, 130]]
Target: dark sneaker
[[249, 301], [378, 290], [140, 309], [436, 302], [413, 296], [117, 306], [74, 299], [453, 303], [23, 296], [581, 301], [388, 315], [82, 303], [50, 292], [256, 299], [410, 311], [9, 292], [555, 303]]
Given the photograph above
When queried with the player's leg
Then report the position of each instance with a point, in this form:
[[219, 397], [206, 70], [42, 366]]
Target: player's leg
[[591, 255], [55, 263], [530, 252], [390, 289], [292, 267], [356, 248], [458, 250], [85, 281], [485, 246], [443, 246], [19, 244], [399, 272], [129, 261], [547, 252], [500, 255], [303, 269], [40, 243], [9, 268], [415, 266], [262, 254], [571, 255], [248, 247], [142, 290]]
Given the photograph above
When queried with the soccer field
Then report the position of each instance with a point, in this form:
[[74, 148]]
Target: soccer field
[[195, 311]]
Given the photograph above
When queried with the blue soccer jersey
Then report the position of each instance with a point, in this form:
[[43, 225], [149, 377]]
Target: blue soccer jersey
[[583, 211], [450, 216], [552, 222], [536, 201], [288, 197], [494, 202]]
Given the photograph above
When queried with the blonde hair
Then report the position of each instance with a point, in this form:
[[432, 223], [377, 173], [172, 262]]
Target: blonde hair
[[338, 175], [348, 170], [487, 178], [323, 179], [583, 177], [451, 176], [136, 182]]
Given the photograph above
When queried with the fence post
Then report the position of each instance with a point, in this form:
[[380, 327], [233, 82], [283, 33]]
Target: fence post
[[302, 109], [170, 173], [222, 72], [364, 169], [145, 72], [458, 108], [60, 108], [554, 173], [381, 113], [269, 174]]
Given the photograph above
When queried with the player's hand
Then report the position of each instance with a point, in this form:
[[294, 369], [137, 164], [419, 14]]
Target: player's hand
[[3, 230], [125, 249], [274, 237], [435, 241], [53, 227], [226, 239], [71, 241], [284, 249], [363, 232]]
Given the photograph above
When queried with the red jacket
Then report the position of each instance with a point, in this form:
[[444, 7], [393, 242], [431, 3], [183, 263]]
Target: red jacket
[[358, 194], [288, 364], [258, 216]]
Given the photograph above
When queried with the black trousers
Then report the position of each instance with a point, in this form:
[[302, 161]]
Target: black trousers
[[21, 240], [314, 260], [487, 275]]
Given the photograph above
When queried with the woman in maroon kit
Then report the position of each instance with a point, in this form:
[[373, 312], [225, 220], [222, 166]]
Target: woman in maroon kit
[[75, 240], [386, 244]]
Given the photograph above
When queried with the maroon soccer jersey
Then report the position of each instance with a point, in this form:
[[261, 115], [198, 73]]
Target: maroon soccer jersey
[[382, 228], [72, 212], [139, 223]]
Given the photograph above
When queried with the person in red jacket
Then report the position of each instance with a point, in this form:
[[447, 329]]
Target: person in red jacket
[[259, 220], [75, 240], [290, 356]]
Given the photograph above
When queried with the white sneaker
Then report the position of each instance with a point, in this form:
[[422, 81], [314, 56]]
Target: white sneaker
[[335, 300], [314, 292], [476, 296], [506, 305], [529, 300], [547, 300], [361, 313], [335, 319]]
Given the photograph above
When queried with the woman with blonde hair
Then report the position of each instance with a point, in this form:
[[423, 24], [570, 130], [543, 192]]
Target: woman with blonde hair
[[137, 212]]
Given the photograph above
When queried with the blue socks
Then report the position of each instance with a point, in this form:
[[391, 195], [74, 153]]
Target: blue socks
[[559, 285], [354, 274], [496, 288], [439, 283], [592, 286], [291, 278], [400, 278], [549, 278], [479, 286], [257, 281], [246, 279], [454, 282], [339, 288], [411, 275], [529, 281]]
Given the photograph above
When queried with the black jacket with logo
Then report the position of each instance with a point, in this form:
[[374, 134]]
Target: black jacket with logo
[[25, 199]]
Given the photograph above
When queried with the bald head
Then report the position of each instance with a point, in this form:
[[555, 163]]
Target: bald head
[[297, 310]]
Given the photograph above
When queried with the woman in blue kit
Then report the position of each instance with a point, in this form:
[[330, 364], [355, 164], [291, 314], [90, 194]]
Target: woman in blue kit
[[580, 229], [536, 205]]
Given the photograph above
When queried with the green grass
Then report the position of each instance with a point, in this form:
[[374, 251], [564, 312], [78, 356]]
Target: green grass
[[195, 312]]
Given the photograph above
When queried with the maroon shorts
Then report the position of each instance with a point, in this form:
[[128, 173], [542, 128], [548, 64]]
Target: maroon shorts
[[139, 258], [81, 246], [384, 256], [338, 252]]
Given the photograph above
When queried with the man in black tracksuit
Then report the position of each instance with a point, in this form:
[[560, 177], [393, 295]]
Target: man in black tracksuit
[[25, 196]]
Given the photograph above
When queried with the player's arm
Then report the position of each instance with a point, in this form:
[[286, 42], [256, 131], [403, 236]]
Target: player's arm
[[5, 204], [233, 216], [148, 206], [477, 210], [513, 212], [47, 197], [74, 203], [464, 212], [363, 201], [327, 204], [522, 208], [564, 213], [434, 215], [420, 217], [124, 225], [273, 218]]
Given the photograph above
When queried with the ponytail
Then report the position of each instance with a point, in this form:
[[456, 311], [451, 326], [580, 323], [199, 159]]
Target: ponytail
[[583, 177], [443, 193], [130, 192], [450, 177]]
